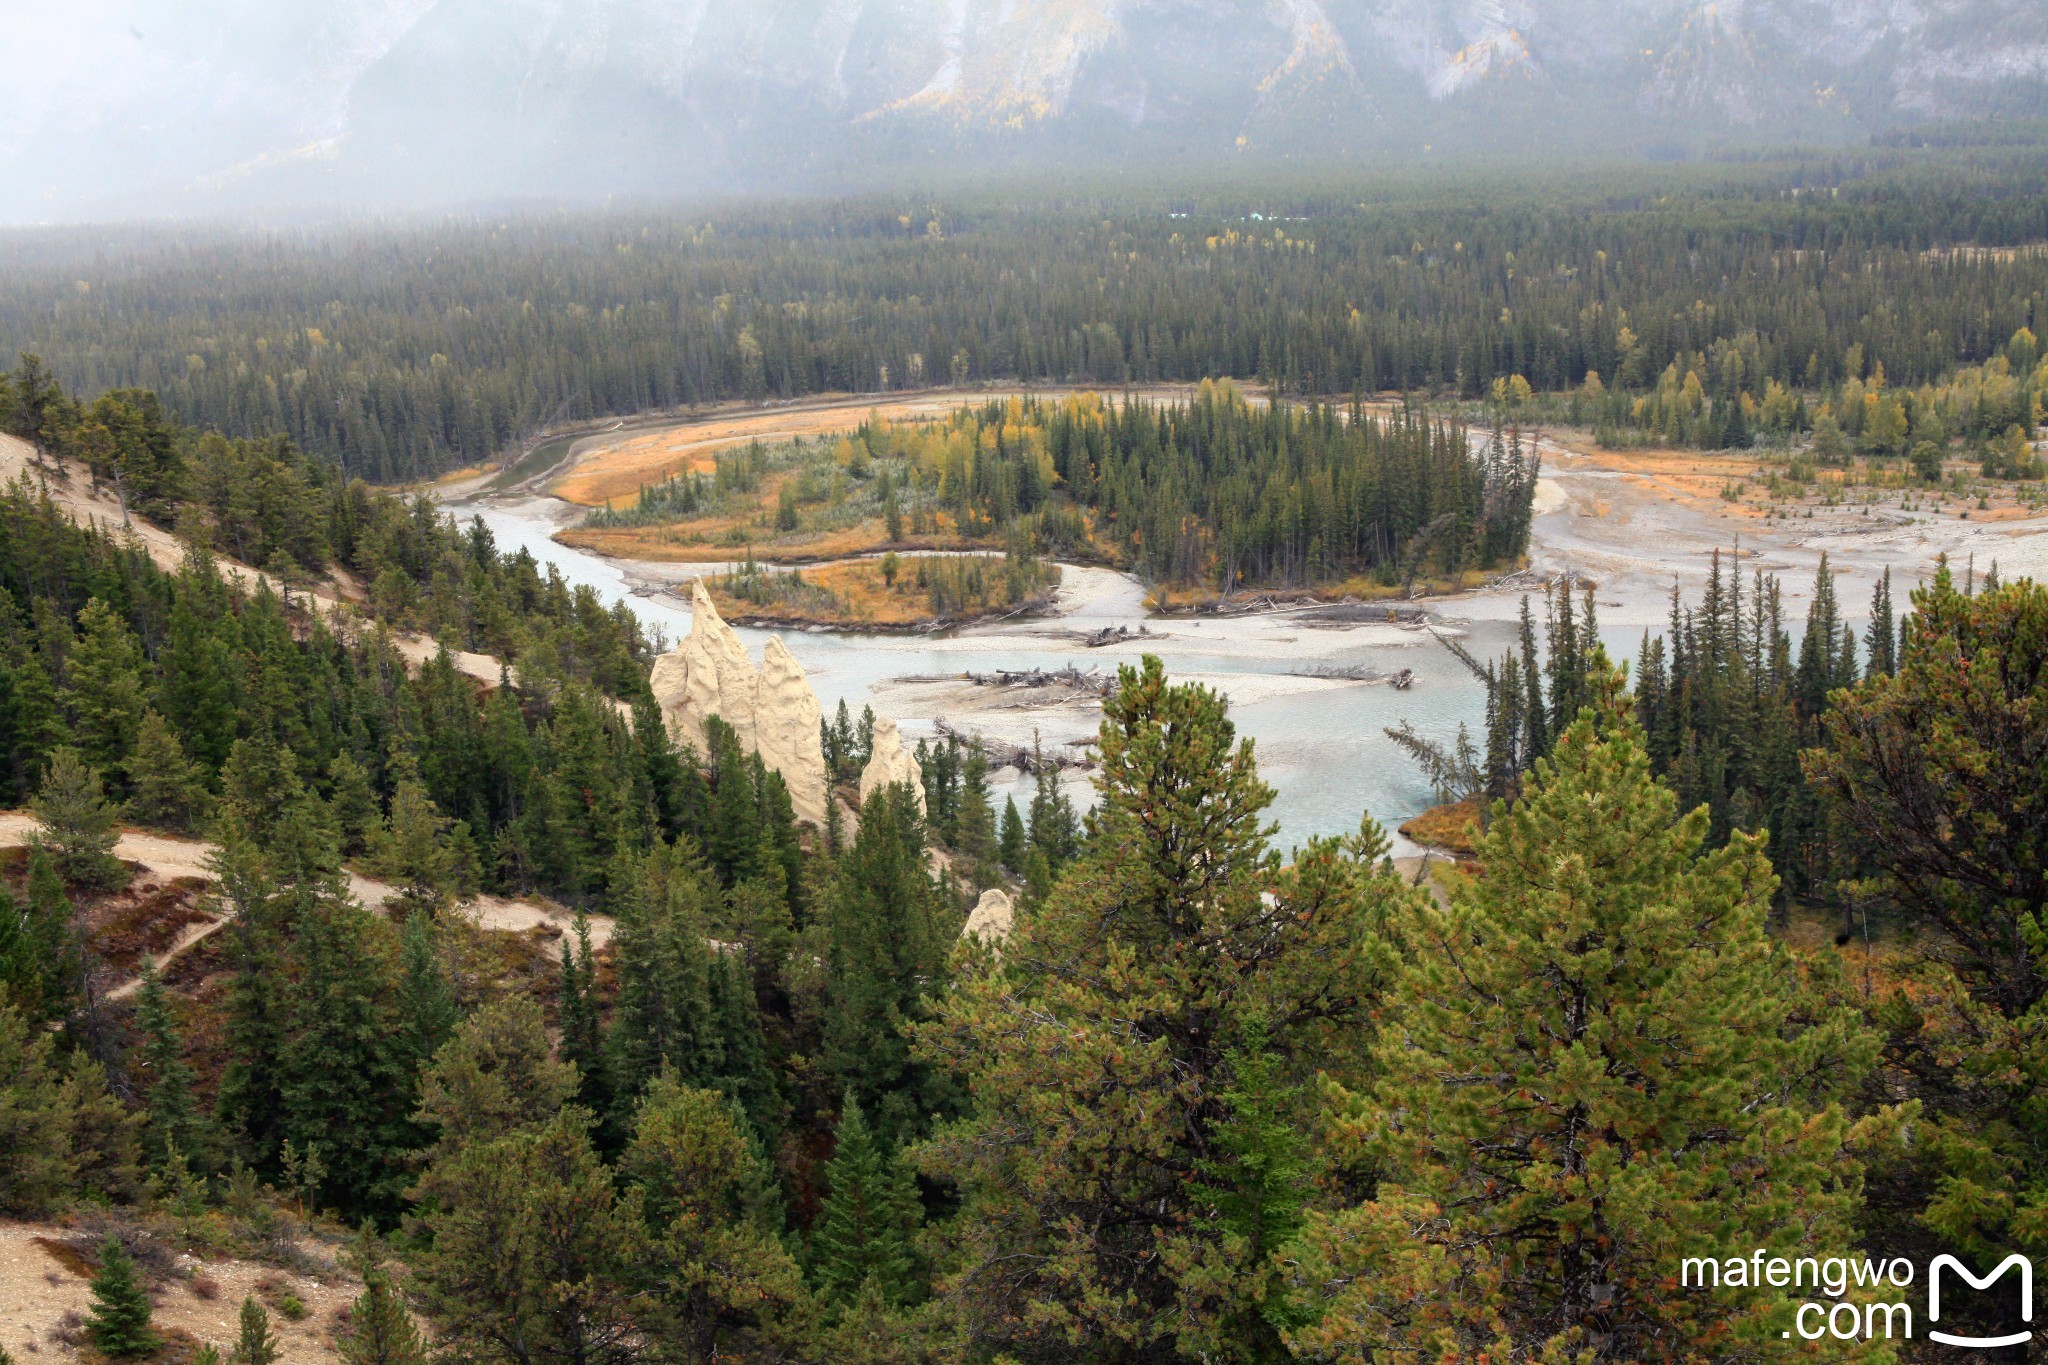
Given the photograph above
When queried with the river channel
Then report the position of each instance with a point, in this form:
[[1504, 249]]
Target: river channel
[[1320, 741]]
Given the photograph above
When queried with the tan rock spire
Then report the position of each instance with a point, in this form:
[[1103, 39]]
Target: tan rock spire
[[773, 711], [890, 762]]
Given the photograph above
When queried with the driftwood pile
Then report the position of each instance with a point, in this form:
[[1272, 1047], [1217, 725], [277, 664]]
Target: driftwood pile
[[1030, 760], [1069, 677], [1112, 635], [1400, 680]]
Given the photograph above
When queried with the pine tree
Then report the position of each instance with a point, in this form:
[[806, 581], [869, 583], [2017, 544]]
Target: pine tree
[[1934, 775], [715, 1270], [1659, 1085], [103, 688], [78, 823], [119, 1321], [1099, 1048], [167, 791], [37, 1166], [532, 1241], [870, 1213], [497, 1075], [381, 1331], [413, 851], [176, 1127], [255, 1343]]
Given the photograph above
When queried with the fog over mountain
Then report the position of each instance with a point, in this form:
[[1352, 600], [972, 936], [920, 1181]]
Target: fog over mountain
[[118, 107]]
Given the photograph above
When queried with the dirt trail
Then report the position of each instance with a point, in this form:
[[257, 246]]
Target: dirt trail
[[38, 1293], [165, 859]]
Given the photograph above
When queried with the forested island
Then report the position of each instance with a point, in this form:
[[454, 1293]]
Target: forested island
[[365, 929]]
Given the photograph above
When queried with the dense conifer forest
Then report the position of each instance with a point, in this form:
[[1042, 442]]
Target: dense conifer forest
[[400, 352]]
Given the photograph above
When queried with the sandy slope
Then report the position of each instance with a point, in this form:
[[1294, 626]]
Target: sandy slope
[[38, 1293]]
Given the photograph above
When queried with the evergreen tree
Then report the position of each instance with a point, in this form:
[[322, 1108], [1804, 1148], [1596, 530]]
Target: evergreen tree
[[1934, 774], [498, 1075], [717, 1275], [534, 1253], [103, 690], [344, 1085], [578, 1006], [1055, 830], [78, 823], [426, 1002], [887, 940], [37, 1166], [414, 851], [1099, 1047], [380, 1330], [1010, 843], [661, 1011], [974, 833], [255, 1343], [176, 1127], [1659, 1087], [50, 932], [870, 1213], [105, 1136], [119, 1321], [166, 790], [250, 1103], [1881, 635]]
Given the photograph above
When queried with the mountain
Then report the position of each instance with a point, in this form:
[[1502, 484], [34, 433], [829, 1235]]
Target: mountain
[[137, 106]]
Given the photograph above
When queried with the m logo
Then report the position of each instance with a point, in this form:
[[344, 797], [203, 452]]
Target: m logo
[[1980, 1343]]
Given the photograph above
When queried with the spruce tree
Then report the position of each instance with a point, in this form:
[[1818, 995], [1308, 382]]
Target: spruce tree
[[119, 1321], [176, 1128], [1055, 830], [250, 1103], [974, 833], [1657, 1085], [426, 1002], [1881, 635], [577, 1008], [50, 929], [661, 1010], [870, 1213], [1010, 842], [344, 1084], [887, 941]]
